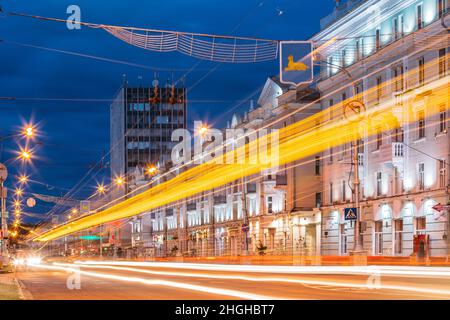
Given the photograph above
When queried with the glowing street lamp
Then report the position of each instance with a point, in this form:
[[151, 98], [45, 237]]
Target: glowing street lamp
[[151, 170], [25, 155], [202, 130], [29, 131], [101, 189], [18, 192], [119, 181], [74, 211], [23, 179], [16, 203]]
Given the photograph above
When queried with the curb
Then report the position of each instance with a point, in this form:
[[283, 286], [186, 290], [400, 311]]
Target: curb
[[23, 291]]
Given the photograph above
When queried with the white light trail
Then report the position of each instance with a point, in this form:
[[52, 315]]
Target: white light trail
[[172, 284], [341, 284], [354, 270]]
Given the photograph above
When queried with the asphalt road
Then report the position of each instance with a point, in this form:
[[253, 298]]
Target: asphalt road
[[180, 282]]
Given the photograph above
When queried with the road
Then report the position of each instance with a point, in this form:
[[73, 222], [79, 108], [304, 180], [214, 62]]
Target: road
[[172, 281]]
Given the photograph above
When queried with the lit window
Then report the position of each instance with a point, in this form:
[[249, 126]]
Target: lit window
[[421, 124], [379, 183], [421, 63], [442, 173], [442, 63]]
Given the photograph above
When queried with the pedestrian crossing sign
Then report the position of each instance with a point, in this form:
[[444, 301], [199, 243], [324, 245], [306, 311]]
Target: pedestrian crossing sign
[[350, 213]]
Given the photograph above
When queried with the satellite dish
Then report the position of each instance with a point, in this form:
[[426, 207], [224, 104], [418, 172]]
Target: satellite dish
[[31, 202], [3, 172]]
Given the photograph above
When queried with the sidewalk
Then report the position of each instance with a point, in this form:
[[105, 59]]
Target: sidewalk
[[9, 287]]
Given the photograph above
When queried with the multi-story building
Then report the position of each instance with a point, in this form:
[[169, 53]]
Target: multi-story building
[[276, 209], [388, 52], [142, 120]]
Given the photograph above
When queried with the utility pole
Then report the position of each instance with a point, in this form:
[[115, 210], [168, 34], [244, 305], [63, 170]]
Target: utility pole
[[3, 176]]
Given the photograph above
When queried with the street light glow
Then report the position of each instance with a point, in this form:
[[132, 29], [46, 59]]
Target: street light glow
[[202, 130], [101, 189], [29, 131], [23, 179], [18, 192], [119, 181], [26, 155], [151, 170]]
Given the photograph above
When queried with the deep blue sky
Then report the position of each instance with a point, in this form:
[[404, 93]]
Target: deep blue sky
[[74, 134]]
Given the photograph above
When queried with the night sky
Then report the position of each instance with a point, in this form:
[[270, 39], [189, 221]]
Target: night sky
[[74, 134]]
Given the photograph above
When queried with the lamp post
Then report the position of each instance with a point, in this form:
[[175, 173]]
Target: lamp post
[[3, 176]]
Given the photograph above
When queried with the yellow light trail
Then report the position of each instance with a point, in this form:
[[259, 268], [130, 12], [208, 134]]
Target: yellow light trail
[[299, 140]]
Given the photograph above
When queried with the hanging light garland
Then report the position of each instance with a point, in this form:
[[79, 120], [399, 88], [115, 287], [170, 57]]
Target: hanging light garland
[[227, 49]]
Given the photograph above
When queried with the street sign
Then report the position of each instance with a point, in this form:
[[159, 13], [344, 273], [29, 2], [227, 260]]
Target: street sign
[[350, 214], [440, 207], [3, 172], [296, 62], [353, 110], [90, 237]]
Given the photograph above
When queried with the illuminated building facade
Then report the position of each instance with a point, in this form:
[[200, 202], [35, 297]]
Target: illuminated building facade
[[385, 51], [277, 209]]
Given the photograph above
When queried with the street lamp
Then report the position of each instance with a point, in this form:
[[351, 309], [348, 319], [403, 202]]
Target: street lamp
[[202, 130], [151, 170], [74, 211], [23, 179], [25, 155], [119, 181], [101, 189], [18, 192], [29, 131]]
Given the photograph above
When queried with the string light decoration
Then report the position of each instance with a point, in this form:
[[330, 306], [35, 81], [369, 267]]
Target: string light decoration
[[225, 49]]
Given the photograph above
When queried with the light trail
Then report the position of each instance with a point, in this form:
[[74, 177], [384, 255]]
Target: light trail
[[353, 270], [296, 141], [341, 284], [172, 284]]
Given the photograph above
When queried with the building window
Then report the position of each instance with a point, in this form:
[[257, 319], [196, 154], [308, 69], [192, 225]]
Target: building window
[[344, 58], [442, 173], [421, 62], [441, 8], [344, 196], [398, 228], [395, 28], [442, 119], [379, 139], [397, 73], [379, 183], [269, 204], [401, 27], [421, 225], [331, 66], [330, 106], [359, 87], [377, 39], [358, 49], [317, 166], [421, 176], [419, 16], [442, 63], [379, 88], [421, 124], [318, 199], [344, 96], [331, 193], [331, 154]]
